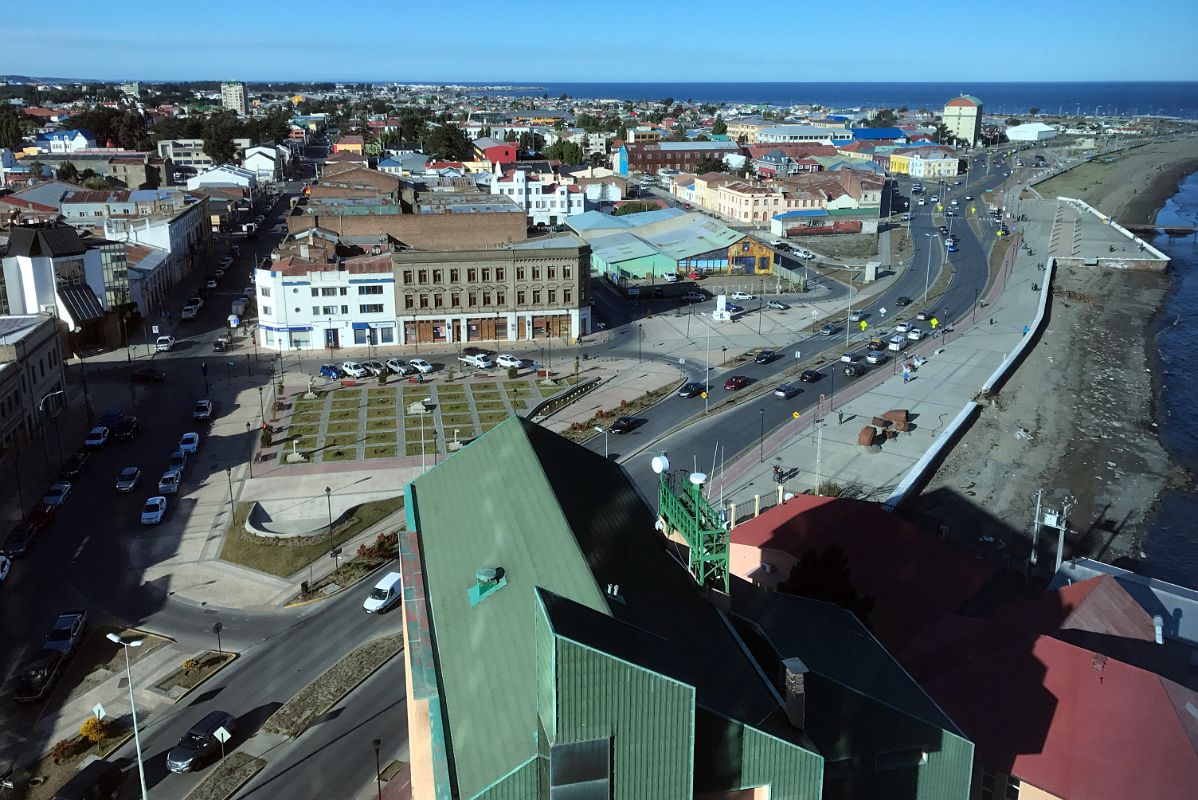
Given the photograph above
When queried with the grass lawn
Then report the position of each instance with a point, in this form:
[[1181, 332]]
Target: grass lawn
[[382, 392], [412, 421], [338, 454], [304, 444], [342, 427], [303, 431], [307, 418], [454, 408], [414, 449], [381, 402], [460, 420], [381, 424], [381, 451], [490, 419], [285, 557], [453, 388], [341, 439], [345, 415], [489, 405], [380, 411], [386, 437], [484, 386]]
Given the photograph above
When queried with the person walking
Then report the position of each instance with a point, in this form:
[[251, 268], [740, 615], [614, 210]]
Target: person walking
[[906, 376]]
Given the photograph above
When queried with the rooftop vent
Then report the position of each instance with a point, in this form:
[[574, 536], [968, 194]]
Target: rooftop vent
[[487, 580]]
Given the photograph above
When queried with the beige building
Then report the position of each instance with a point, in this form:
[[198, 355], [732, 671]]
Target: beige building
[[745, 129], [963, 118], [530, 290], [233, 96], [30, 370]]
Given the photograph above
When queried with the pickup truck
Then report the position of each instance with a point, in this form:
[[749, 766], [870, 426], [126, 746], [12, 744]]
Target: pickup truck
[[477, 361], [66, 633]]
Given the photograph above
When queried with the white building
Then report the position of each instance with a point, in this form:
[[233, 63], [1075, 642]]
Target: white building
[[933, 165], [190, 152], [1030, 132], [185, 236], [268, 162], [233, 96], [225, 175], [303, 305], [46, 271], [30, 371], [149, 278], [804, 133], [544, 202], [66, 141]]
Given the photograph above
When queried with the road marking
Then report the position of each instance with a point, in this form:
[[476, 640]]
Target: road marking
[[79, 549]]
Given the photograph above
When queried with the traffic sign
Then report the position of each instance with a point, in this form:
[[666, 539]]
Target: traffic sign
[[794, 414], [935, 322], [882, 311], [221, 735], [155, 329], [798, 355], [864, 324], [99, 711], [703, 395]]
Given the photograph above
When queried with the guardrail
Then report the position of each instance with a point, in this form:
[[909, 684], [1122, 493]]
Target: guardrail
[[561, 400]]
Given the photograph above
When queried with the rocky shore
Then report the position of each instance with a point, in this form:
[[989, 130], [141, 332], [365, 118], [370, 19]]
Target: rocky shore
[[1077, 418]]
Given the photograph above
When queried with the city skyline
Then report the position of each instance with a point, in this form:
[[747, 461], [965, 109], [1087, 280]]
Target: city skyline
[[1021, 43]]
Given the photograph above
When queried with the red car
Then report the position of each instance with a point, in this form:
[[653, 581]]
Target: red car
[[42, 516], [736, 382], [694, 276]]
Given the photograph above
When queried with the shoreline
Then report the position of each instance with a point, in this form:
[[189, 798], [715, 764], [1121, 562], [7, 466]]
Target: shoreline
[[1147, 204]]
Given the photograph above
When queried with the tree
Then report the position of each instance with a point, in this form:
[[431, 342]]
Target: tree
[[510, 136], [720, 127], [1034, 111], [531, 142], [93, 729], [882, 118], [565, 152], [707, 164], [1014, 121], [634, 208], [827, 576], [667, 101], [11, 130], [97, 183], [597, 159], [747, 169], [219, 131], [68, 172], [447, 143]]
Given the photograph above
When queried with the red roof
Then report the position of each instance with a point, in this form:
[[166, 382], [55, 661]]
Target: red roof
[[914, 577], [962, 101]]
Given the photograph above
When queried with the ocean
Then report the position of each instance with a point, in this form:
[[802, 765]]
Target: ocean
[[1171, 544], [1108, 99]]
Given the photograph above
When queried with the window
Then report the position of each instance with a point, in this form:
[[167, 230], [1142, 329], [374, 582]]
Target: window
[[567, 272], [372, 289], [499, 298], [371, 308], [566, 293], [407, 276], [315, 311], [471, 275], [328, 291], [519, 297], [519, 273], [264, 291], [486, 275], [386, 335], [315, 292], [343, 291], [486, 298], [330, 310], [499, 273], [552, 273], [437, 276], [553, 296], [455, 299], [267, 311], [536, 297], [455, 276], [423, 300], [408, 301], [438, 299], [536, 273], [422, 276]]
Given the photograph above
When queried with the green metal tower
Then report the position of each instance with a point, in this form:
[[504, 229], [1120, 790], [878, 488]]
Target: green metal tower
[[681, 506]]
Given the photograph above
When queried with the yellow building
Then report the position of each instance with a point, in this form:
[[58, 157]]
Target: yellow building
[[963, 118], [900, 164]]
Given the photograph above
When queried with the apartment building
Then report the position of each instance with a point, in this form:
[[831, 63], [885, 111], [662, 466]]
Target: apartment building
[[529, 290], [652, 157], [30, 370], [66, 141], [963, 118], [545, 201], [234, 97], [744, 129], [190, 152], [803, 133]]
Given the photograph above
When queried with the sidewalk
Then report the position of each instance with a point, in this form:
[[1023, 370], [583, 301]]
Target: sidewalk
[[952, 376]]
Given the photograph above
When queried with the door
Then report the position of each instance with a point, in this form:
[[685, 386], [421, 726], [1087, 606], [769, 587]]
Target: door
[[331, 339]]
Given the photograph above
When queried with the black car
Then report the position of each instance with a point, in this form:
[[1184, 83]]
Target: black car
[[38, 677], [692, 389], [72, 466], [111, 417], [149, 375], [623, 425], [765, 357], [126, 428], [903, 301], [98, 779], [811, 376], [854, 370], [199, 743], [20, 540]]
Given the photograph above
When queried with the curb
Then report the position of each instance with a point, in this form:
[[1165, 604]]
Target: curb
[[330, 595], [212, 675]]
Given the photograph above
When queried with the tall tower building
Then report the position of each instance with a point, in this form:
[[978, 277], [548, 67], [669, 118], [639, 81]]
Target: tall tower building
[[233, 97], [963, 118]]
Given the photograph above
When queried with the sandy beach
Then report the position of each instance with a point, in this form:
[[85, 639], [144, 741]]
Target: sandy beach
[[1077, 419]]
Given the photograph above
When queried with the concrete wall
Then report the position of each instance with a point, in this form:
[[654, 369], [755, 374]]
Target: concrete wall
[[423, 231]]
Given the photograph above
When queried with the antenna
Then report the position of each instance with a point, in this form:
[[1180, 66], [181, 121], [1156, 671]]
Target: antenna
[[1051, 518]]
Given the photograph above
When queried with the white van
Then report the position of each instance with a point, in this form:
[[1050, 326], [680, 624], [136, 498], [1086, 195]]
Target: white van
[[384, 595]]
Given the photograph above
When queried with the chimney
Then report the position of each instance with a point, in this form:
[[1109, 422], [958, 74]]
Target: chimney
[[794, 691], [305, 252]]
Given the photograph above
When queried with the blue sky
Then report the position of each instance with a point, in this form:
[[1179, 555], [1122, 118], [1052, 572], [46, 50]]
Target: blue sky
[[616, 40]]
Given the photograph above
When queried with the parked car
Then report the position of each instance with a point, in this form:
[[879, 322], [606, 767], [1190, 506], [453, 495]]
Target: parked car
[[897, 343], [202, 411], [476, 361], [694, 296], [163, 344], [385, 594], [57, 493], [777, 305], [38, 676], [786, 391], [189, 443], [178, 461], [149, 375], [623, 424], [97, 437], [903, 301], [99, 779], [507, 360], [199, 743], [72, 466], [952, 247], [42, 516], [353, 369], [421, 365], [856, 316], [765, 357], [375, 368], [692, 389], [66, 633], [153, 511], [671, 277], [695, 276], [332, 372], [741, 296], [736, 382], [20, 540], [924, 314], [128, 479], [169, 482], [400, 367], [126, 429]]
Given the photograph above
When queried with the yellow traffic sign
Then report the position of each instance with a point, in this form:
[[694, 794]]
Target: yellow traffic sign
[[703, 395], [999, 233], [795, 414], [864, 324], [935, 322], [940, 206]]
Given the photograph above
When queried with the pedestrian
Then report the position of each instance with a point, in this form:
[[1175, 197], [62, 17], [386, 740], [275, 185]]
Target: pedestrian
[[906, 376]]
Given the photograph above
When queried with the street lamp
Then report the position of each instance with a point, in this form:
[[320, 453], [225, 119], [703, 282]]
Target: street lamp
[[606, 436], [640, 337], [229, 476], [761, 440], [261, 407], [41, 407], [127, 643], [378, 771]]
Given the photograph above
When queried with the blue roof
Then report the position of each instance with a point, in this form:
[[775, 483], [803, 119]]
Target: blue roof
[[66, 135], [813, 212], [878, 133]]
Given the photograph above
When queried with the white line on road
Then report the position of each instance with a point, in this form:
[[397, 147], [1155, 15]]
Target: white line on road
[[79, 549]]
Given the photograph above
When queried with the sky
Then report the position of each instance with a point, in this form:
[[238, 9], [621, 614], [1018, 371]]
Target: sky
[[612, 41]]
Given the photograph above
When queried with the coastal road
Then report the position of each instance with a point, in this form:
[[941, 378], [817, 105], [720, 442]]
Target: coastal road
[[737, 430]]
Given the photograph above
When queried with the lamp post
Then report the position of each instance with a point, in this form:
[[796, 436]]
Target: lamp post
[[229, 476], [724, 356], [761, 439], [640, 337], [42, 407], [378, 771], [606, 436], [127, 643], [927, 272]]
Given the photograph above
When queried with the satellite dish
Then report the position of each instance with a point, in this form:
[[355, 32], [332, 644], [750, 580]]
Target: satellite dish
[[698, 478], [660, 463]]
